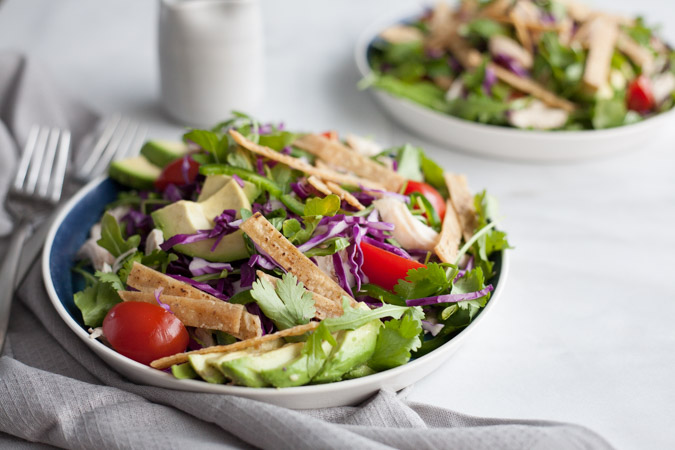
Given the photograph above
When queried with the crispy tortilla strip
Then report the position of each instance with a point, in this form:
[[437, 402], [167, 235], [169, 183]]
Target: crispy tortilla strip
[[212, 314], [319, 185], [577, 10], [401, 34], [604, 33], [324, 307], [518, 19], [441, 26], [335, 153], [168, 361], [496, 9], [467, 56], [266, 236], [637, 53], [443, 82], [462, 200], [298, 164], [450, 237], [345, 195], [533, 88], [146, 279]]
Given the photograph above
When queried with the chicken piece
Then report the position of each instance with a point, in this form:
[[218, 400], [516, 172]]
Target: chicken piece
[[538, 116]]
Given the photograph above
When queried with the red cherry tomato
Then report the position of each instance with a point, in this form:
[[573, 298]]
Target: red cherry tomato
[[332, 135], [144, 332], [179, 172], [429, 193], [639, 96], [385, 268]]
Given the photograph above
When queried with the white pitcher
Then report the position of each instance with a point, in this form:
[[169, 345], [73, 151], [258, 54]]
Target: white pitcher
[[211, 58]]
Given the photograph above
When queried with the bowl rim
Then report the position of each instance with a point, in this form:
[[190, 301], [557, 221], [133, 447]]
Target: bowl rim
[[368, 35], [202, 386]]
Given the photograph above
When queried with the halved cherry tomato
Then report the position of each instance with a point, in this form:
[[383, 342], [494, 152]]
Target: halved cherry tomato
[[332, 135], [182, 171], [144, 332], [639, 96], [429, 193], [385, 268]]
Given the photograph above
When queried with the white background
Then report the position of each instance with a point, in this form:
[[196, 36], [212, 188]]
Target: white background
[[585, 331]]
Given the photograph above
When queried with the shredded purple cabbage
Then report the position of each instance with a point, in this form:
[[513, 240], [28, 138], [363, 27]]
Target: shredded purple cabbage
[[199, 266], [248, 270], [158, 293], [386, 246], [201, 286], [340, 273], [397, 196], [238, 179], [266, 324], [433, 328], [489, 80], [185, 169], [224, 224], [137, 223], [450, 298], [511, 64], [286, 150], [259, 166], [334, 229], [302, 189], [355, 256]]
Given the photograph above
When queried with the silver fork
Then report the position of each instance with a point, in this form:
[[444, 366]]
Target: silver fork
[[35, 191], [120, 138]]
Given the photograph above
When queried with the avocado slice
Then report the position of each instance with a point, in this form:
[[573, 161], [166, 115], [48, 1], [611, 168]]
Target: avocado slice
[[292, 374], [358, 372], [206, 365], [354, 347], [247, 370], [136, 172], [214, 183], [187, 217], [161, 153], [183, 371]]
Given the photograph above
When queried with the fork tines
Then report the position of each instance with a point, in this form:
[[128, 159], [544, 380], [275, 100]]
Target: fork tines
[[120, 138], [43, 164]]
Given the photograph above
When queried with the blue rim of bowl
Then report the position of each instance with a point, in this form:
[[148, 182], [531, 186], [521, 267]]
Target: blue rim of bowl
[[376, 378], [369, 35]]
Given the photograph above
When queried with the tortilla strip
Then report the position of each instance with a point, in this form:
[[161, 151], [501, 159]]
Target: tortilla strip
[[298, 164], [266, 236], [638, 54], [324, 307], [441, 26], [146, 279], [496, 9], [462, 200], [451, 235], [533, 88], [168, 361], [345, 195], [211, 314], [401, 34], [604, 33], [467, 56], [522, 33], [335, 153], [319, 185]]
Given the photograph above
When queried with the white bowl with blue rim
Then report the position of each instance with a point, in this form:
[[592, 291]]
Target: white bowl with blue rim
[[71, 229]]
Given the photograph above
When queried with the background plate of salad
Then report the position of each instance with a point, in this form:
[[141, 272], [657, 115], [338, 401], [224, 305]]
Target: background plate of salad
[[536, 81], [299, 269]]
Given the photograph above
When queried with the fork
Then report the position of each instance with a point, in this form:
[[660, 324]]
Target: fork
[[120, 137], [35, 191]]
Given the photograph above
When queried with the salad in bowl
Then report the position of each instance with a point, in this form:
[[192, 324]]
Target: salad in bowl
[[255, 256], [531, 65]]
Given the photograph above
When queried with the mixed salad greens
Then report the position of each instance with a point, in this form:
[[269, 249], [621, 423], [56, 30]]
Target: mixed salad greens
[[548, 65], [258, 256]]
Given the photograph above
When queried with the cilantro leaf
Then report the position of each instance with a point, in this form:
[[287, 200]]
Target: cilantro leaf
[[316, 356], [95, 301], [353, 318], [433, 174], [159, 259], [423, 282], [287, 305], [326, 206], [492, 241], [395, 342], [112, 239], [110, 278]]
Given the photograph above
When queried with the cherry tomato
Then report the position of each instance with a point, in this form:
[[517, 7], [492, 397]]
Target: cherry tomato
[[429, 193], [385, 268], [639, 96], [179, 172], [144, 332], [332, 135]]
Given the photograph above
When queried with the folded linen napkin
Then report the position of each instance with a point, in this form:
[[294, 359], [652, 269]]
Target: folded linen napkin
[[55, 392]]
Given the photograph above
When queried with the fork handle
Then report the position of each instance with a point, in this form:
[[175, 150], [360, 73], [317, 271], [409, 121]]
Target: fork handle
[[8, 274]]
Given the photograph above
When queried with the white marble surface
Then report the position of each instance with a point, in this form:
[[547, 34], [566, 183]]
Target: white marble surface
[[584, 332]]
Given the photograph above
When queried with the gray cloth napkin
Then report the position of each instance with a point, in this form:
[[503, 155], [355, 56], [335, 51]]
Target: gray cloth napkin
[[55, 392]]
